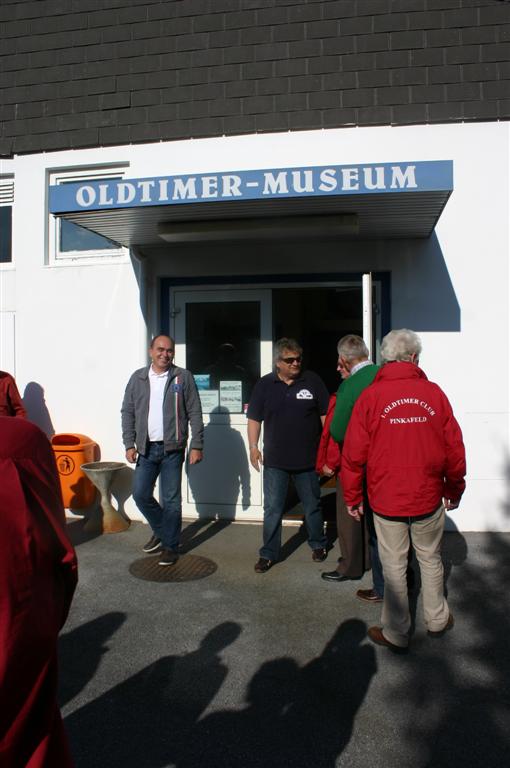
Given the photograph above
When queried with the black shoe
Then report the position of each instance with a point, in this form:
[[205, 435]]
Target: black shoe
[[319, 555], [168, 557], [153, 545], [333, 576], [262, 565]]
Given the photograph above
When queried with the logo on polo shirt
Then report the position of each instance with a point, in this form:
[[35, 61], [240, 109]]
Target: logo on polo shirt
[[304, 394]]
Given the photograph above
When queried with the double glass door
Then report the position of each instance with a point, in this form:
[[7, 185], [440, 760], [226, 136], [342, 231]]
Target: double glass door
[[225, 337]]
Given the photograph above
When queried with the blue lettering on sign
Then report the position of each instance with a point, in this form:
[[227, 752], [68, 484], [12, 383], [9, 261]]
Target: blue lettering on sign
[[383, 178]]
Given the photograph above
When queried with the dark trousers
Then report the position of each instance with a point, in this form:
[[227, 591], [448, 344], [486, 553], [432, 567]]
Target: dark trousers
[[377, 569], [353, 539]]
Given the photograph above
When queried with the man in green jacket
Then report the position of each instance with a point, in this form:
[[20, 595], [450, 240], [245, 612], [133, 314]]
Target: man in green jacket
[[358, 543]]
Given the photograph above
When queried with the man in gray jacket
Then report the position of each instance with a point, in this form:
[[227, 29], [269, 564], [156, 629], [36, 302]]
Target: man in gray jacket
[[159, 403]]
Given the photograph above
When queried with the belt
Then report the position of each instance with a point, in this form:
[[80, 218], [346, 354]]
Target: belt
[[409, 519]]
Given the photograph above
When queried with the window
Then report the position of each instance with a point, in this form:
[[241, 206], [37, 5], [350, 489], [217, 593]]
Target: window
[[223, 351], [6, 201], [69, 242]]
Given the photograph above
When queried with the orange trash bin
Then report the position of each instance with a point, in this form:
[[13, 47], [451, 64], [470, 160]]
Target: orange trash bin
[[71, 451]]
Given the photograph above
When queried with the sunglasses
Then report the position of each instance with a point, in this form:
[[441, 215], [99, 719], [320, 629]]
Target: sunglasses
[[290, 360]]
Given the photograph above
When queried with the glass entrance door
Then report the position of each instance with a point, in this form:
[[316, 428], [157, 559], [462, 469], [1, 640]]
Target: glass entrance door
[[319, 315], [223, 337]]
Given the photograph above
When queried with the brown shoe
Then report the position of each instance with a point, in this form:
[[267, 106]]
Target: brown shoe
[[449, 624], [368, 596], [319, 555], [262, 565], [377, 637]]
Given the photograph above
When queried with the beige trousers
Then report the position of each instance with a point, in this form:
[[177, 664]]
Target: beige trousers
[[393, 541]]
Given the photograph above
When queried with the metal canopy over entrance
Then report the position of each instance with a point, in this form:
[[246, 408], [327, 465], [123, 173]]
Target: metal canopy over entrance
[[402, 200]]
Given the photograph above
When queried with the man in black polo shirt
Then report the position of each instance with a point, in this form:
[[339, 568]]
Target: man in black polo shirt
[[292, 404]]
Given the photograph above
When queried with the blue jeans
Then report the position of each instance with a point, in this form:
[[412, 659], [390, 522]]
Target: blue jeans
[[276, 483], [165, 519], [377, 571]]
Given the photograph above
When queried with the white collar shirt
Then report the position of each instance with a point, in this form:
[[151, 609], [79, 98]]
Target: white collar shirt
[[157, 383], [359, 366]]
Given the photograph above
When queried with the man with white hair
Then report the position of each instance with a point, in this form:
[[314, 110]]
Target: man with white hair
[[403, 430]]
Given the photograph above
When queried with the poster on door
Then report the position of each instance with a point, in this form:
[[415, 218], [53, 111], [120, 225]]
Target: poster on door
[[231, 396]]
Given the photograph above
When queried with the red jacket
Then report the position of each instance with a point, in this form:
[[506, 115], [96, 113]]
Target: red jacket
[[37, 575], [329, 451], [403, 429], [10, 400]]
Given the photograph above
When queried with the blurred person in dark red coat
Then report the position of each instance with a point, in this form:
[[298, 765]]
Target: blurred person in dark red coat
[[38, 575], [10, 399]]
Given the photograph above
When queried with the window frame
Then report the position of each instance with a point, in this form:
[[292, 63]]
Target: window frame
[[7, 201], [54, 255]]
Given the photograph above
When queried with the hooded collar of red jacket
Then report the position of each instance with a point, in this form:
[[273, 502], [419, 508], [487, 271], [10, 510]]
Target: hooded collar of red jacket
[[399, 370]]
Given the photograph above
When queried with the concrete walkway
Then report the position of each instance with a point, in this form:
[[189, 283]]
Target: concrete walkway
[[241, 670]]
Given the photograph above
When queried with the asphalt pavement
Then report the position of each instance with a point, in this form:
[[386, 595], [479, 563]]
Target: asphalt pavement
[[224, 667]]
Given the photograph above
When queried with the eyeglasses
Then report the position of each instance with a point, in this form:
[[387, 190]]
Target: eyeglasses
[[290, 360]]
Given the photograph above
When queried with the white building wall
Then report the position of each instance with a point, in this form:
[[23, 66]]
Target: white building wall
[[80, 330], [7, 302]]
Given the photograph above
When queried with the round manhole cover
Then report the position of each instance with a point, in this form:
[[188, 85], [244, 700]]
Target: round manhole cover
[[187, 568]]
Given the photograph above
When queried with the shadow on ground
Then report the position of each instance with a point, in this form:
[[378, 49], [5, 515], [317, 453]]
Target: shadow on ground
[[464, 697], [81, 650], [299, 716], [77, 533], [445, 705], [200, 531]]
